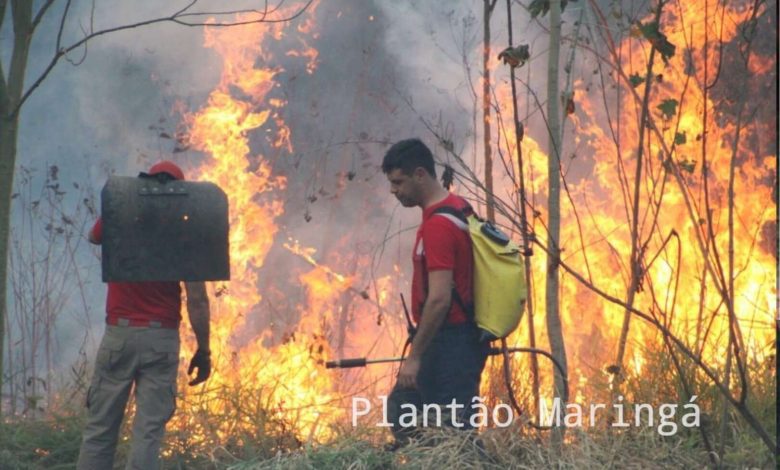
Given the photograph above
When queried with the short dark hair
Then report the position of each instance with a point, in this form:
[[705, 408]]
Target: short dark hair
[[408, 155]]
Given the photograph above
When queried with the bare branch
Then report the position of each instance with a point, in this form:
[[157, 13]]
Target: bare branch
[[524, 225], [720, 51], [692, 213], [39, 16], [4, 102], [183, 10], [263, 17], [738, 404], [58, 45], [173, 18], [3, 4], [84, 31], [677, 365]]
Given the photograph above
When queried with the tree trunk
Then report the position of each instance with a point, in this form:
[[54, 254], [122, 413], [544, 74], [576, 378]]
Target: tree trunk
[[8, 132], [525, 226], [10, 94], [636, 254], [491, 215], [554, 194]]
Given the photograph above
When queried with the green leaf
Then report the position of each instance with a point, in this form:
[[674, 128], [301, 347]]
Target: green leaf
[[668, 108], [515, 56], [538, 7], [541, 7], [679, 138], [658, 40], [688, 165], [635, 80]]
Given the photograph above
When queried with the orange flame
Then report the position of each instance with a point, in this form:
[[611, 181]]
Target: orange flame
[[286, 378], [689, 304]]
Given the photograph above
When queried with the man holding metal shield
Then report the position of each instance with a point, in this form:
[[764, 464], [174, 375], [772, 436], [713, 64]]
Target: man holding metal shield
[[140, 351], [447, 357]]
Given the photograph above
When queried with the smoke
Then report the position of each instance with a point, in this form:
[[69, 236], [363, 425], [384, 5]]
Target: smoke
[[117, 105], [383, 68], [113, 108]]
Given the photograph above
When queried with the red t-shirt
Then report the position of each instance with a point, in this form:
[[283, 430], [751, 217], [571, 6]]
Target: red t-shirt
[[443, 243], [158, 301]]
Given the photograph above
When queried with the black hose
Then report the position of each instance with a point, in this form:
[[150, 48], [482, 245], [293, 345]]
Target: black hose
[[504, 350], [493, 351]]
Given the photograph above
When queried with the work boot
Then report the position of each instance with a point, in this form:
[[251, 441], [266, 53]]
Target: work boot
[[397, 398]]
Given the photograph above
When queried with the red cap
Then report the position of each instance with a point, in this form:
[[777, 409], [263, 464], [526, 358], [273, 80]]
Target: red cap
[[169, 167]]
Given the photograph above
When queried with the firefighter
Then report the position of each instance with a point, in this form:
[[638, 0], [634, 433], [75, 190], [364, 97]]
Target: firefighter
[[447, 355], [139, 352]]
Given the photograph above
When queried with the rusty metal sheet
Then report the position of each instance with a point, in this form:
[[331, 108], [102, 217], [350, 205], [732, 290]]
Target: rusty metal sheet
[[164, 231]]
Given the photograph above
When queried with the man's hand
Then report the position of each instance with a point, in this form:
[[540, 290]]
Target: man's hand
[[407, 376], [202, 361], [433, 315]]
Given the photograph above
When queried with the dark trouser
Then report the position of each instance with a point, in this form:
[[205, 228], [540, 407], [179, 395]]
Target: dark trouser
[[450, 369]]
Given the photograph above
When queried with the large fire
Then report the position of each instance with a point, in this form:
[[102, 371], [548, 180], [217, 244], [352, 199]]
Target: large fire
[[690, 304], [273, 387], [275, 381]]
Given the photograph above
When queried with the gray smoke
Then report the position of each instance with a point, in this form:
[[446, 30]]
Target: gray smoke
[[383, 69]]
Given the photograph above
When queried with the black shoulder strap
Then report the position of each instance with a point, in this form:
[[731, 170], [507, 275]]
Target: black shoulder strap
[[459, 214]]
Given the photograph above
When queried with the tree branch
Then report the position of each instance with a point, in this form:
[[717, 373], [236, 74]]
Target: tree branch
[[4, 101], [739, 405], [39, 16], [176, 18], [183, 10], [3, 4], [58, 45], [692, 213]]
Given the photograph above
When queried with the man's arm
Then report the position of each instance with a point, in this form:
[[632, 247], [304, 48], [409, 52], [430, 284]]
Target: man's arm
[[437, 305], [198, 309], [95, 235]]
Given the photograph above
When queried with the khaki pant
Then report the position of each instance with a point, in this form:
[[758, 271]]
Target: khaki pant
[[147, 358]]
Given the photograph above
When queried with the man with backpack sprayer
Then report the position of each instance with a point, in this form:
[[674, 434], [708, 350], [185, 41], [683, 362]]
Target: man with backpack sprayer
[[448, 348]]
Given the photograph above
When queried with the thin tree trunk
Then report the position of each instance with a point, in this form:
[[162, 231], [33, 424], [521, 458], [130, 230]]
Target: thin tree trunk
[[8, 131], [554, 194], [491, 214], [732, 344], [724, 423], [524, 222], [636, 255], [10, 94]]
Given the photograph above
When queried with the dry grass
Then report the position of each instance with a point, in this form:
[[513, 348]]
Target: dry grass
[[509, 449], [53, 444]]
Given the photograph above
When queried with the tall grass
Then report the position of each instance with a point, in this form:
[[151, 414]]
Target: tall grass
[[262, 440]]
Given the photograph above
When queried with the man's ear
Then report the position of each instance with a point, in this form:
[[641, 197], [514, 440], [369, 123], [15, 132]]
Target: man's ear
[[419, 173]]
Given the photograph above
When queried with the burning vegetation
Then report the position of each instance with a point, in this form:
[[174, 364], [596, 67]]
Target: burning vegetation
[[668, 231], [703, 249], [696, 256]]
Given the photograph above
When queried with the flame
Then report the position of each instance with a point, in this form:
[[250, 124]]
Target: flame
[[273, 385], [686, 298], [280, 382], [275, 381]]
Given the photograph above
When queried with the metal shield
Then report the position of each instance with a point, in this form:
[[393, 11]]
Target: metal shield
[[164, 231]]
